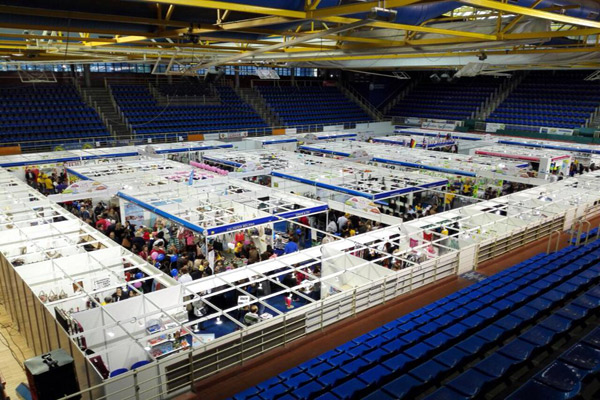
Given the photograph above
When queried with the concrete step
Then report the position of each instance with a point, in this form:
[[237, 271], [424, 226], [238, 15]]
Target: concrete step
[[103, 101]]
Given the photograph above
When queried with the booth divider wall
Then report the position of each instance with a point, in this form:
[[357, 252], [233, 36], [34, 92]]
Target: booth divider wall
[[42, 331]]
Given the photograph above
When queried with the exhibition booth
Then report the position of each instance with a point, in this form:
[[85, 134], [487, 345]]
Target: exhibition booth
[[428, 162], [439, 134], [251, 160], [53, 268], [545, 144], [290, 141], [54, 157], [416, 141], [58, 160], [221, 207], [142, 173], [544, 161], [278, 142], [353, 188], [337, 180]]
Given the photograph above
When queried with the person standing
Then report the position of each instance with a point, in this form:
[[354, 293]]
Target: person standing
[[292, 245]]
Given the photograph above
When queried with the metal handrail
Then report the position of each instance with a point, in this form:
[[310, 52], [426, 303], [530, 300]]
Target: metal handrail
[[363, 100], [558, 233], [589, 228]]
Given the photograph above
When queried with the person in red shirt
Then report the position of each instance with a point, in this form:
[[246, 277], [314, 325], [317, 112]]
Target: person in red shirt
[[103, 223], [240, 237]]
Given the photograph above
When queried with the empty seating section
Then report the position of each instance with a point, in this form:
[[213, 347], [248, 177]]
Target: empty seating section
[[311, 105], [47, 112], [456, 100], [559, 100], [148, 118], [188, 88], [497, 337]]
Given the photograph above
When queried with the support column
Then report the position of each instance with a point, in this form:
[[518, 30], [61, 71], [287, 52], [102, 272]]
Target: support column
[[86, 75], [237, 78], [293, 75]]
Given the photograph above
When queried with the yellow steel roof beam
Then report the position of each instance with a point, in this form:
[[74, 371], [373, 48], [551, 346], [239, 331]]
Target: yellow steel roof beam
[[512, 9], [393, 25], [325, 14], [225, 5], [442, 54], [356, 8]]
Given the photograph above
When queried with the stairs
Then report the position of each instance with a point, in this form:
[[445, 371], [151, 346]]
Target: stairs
[[252, 97], [102, 101], [353, 95], [594, 120], [405, 91], [499, 96]]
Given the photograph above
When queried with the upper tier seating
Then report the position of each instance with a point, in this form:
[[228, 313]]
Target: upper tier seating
[[187, 88], [480, 340], [147, 117], [560, 99], [311, 105], [30, 114], [456, 100]]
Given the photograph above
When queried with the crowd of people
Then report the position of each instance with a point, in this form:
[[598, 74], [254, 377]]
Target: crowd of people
[[47, 183]]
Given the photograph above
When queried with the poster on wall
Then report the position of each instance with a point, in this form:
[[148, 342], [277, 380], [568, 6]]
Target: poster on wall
[[556, 131], [134, 214], [233, 135], [101, 283], [439, 124], [84, 190], [492, 127], [363, 204]]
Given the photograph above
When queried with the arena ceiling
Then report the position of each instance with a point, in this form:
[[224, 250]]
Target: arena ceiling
[[198, 34]]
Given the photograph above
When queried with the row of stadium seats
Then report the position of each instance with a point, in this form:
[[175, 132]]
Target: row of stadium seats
[[46, 112], [147, 117], [559, 99], [311, 105], [489, 333], [455, 100]]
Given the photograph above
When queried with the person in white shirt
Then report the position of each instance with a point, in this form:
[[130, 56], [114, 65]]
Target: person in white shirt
[[332, 227], [341, 222], [185, 275]]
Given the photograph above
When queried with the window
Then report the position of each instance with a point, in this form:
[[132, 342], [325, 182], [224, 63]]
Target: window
[[310, 72], [283, 71]]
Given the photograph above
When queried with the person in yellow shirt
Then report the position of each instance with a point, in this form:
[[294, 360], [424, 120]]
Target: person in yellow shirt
[[40, 181], [467, 189], [48, 185], [449, 199]]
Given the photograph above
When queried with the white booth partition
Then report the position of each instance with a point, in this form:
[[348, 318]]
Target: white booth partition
[[484, 168], [417, 141], [547, 160], [272, 143]]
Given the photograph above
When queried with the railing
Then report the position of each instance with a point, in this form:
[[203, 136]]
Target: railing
[[166, 137], [359, 98], [398, 95], [557, 233]]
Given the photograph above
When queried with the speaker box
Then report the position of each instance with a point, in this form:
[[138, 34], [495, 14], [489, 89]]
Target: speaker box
[[51, 376]]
